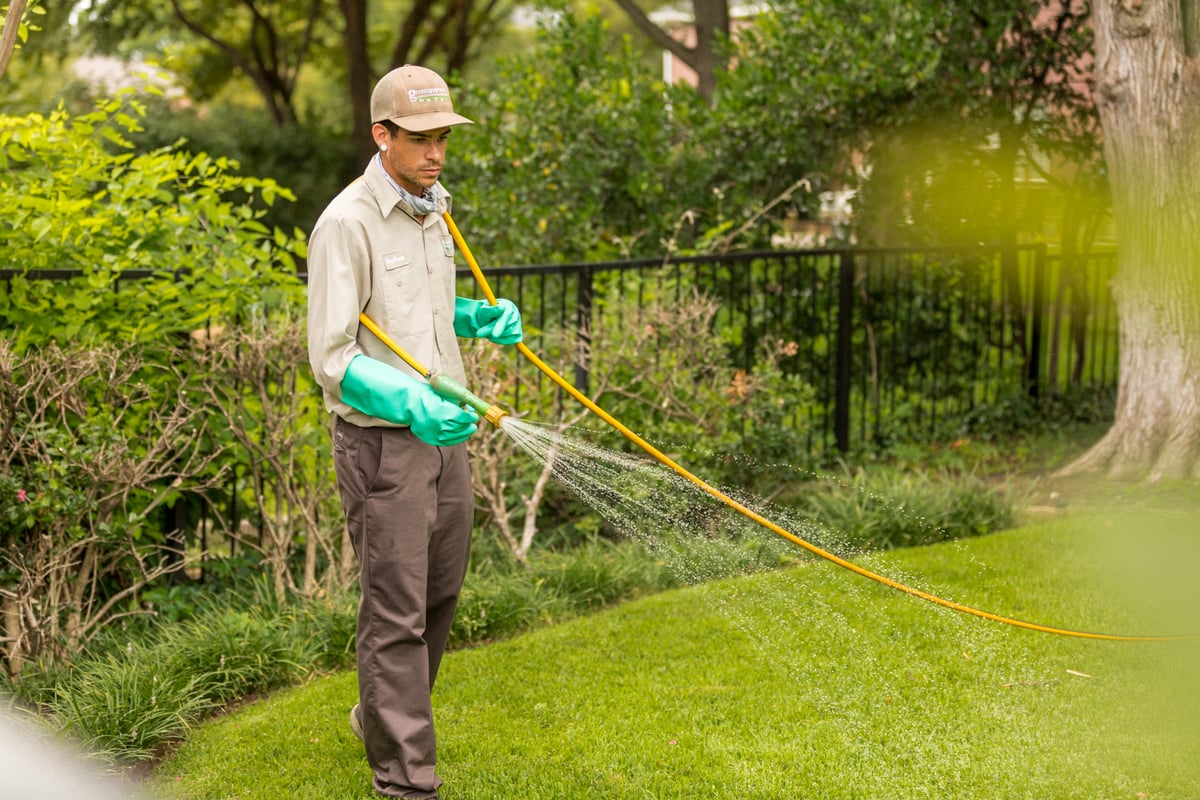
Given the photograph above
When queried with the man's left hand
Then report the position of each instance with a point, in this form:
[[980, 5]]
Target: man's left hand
[[500, 323]]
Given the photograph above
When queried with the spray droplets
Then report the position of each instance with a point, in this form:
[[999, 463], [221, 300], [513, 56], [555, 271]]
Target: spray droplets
[[629, 491], [694, 536]]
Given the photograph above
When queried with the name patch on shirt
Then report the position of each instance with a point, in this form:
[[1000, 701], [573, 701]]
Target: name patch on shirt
[[393, 260]]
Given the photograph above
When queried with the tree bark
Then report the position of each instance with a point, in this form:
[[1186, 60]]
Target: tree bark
[[267, 55], [8, 40], [12, 643], [1148, 96], [358, 80], [711, 19]]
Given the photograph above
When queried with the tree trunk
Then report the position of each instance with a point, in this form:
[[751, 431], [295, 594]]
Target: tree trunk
[[1148, 96], [8, 40], [358, 79], [12, 642], [711, 21]]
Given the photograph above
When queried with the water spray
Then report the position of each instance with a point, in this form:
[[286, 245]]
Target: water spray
[[451, 390]]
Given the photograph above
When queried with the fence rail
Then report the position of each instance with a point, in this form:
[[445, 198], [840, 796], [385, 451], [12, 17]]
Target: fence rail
[[889, 338]]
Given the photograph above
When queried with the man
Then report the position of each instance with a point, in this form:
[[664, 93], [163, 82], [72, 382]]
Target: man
[[382, 247]]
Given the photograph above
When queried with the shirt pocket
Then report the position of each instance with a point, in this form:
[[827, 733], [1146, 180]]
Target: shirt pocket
[[405, 293]]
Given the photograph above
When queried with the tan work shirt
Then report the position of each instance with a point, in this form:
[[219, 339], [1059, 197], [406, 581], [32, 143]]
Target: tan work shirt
[[369, 252]]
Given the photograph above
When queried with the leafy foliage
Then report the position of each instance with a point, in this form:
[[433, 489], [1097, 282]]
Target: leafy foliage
[[311, 161], [578, 157], [141, 692], [82, 200], [1005, 103], [212, 42], [930, 114], [94, 442], [839, 65], [671, 374], [884, 509], [102, 433]]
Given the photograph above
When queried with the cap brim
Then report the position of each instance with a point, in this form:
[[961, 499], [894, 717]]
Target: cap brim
[[416, 123]]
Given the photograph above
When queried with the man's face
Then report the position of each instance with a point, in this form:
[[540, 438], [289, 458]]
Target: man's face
[[413, 159]]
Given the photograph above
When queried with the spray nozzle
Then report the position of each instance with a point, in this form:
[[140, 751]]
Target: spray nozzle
[[454, 391]]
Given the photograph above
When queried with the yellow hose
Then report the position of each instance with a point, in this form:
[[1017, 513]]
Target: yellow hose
[[755, 516], [382, 335]]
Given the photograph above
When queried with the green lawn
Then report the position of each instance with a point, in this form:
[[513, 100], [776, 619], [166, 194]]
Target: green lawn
[[806, 683]]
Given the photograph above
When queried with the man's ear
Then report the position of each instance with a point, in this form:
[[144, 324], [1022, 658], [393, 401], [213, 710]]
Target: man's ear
[[381, 136]]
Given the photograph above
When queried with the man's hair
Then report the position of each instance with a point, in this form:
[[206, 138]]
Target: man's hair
[[392, 128]]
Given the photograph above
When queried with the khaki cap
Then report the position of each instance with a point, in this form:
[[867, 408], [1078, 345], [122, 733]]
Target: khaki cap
[[416, 99]]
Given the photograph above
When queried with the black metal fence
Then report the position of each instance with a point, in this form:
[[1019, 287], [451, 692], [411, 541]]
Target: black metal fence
[[896, 341], [891, 340], [896, 344]]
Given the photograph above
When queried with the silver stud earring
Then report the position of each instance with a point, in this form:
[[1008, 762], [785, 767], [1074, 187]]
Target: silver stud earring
[[383, 147]]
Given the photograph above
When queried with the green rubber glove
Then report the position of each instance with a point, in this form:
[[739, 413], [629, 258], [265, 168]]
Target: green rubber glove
[[479, 319], [385, 392]]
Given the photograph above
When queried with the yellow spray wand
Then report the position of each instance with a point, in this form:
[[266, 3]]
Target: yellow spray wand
[[755, 516]]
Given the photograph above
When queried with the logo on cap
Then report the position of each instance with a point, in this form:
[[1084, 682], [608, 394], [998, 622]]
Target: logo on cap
[[427, 95]]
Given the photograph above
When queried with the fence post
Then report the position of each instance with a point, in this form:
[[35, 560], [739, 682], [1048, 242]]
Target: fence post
[[1033, 356], [842, 349], [583, 328]]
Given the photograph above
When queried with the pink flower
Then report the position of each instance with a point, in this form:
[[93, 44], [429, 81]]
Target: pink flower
[[21, 496]]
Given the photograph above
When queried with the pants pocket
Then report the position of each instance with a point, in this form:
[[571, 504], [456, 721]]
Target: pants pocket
[[357, 456]]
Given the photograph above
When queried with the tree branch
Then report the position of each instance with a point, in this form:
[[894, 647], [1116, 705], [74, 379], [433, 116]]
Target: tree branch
[[408, 32], [12, 25], [657, 34]]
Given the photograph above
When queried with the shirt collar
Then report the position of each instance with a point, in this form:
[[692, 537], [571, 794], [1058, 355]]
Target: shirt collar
[[425, 203]]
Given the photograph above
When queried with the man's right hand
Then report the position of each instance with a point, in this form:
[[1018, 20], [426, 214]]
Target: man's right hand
[[384, 392], [439, 421]]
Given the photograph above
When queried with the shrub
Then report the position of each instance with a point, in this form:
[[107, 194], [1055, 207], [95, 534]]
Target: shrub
[[91, 449], [101, 440], [130, 698], [97, 426], [547, 181], [667, 372], [885, 509], [505, 599], [126, 705], [80, 199]]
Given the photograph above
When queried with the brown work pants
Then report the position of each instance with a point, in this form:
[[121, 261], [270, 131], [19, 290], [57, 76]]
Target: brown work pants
[[409, 507]]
